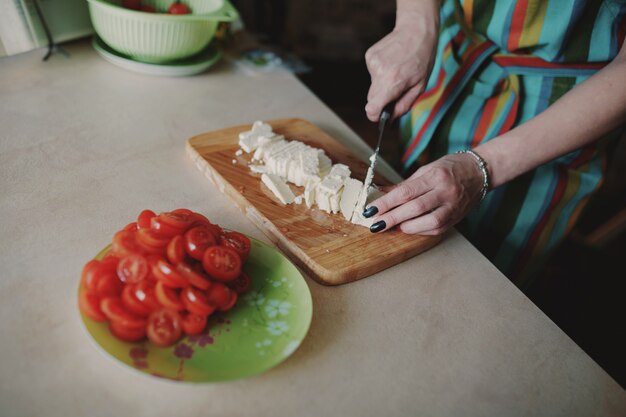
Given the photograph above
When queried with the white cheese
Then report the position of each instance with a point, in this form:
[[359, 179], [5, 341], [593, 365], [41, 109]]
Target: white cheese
[[339, 170], [279, 187], [349, 196], [327, 186], [357, 216]]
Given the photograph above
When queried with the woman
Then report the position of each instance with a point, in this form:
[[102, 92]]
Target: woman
[[535, 89]]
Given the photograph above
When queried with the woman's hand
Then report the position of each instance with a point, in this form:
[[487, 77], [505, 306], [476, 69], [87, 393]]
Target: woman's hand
[[433, 199], [400, 63]]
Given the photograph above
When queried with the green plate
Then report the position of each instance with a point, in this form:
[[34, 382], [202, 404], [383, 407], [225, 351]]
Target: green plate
[[264, 328], [181, 68]]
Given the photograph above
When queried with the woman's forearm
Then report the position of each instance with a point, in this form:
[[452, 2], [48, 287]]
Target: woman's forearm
[[580, 117], [410, 13]]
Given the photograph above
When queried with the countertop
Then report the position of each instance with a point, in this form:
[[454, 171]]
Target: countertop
[[86, 145]]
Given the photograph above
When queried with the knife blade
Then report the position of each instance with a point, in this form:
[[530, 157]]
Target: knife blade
[[385, 115]]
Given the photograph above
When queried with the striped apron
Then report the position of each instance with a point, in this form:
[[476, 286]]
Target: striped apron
[[498, 64]]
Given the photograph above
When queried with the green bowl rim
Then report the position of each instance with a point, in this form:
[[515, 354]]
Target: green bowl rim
[[226, 13]]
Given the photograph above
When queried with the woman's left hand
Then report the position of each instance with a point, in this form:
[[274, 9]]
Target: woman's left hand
[[433, 199]]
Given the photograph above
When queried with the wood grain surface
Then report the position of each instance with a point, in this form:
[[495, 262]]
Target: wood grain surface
[[330, 249]]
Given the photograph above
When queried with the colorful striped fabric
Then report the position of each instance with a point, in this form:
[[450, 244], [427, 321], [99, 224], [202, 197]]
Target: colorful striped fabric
[[498, 64]]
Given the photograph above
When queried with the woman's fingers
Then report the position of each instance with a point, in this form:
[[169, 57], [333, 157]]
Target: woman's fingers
[[434, 223], [421, 206], [400, 194]]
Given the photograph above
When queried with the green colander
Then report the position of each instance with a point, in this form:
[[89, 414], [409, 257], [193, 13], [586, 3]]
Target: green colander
[[159, 37]]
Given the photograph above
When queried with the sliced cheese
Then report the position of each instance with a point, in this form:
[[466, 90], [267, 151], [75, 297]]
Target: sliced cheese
[[279, 187], [350, 196]]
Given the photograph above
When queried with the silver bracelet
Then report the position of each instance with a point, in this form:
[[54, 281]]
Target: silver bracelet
[[483, 168]]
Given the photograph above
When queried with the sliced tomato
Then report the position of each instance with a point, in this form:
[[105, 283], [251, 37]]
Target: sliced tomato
[[139, 299], [164, 327], [151, 242], [216, 231], [125, 243], [94, 270], [195, 278], [219, 295], [89, 305], [182, 211], [196, 301], [222, 263], [193, 324], [197, 240], [168, 297], [109, 285], [198, 219], [114, 310], [231, 303], [180, 221], [133, 268], [131, 226], [241, 284], [168, 275], [143, 221], [90, 274], [125, 334], [164, 229], [176, 250], [238, 241]]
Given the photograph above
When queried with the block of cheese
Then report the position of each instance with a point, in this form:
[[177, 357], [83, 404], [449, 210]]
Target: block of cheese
[[350, 196], [327, 186], [357, 216]]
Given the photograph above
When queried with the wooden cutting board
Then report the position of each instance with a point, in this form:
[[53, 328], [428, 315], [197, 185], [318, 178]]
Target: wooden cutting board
[[330, 249]]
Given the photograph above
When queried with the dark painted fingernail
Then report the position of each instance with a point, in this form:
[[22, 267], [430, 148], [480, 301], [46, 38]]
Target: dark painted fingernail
[[370, 211], [378, 226]]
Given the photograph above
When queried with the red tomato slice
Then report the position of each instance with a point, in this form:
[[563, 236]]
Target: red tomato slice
[[176, 250], [219, 295], [231, 303], [151, 242], [222, 263], [196, 302], [195, 278], [241, 284], [89, 305], [216, 231], [238, 241], [193, 323], [178, 220], [89, 275], [109, 285], [132, 269], [131, 227], [198, 219], [170, 277], [168, 297], [114, 310], [125, 334], [94, 270], [182, 211], [125, 243], [143, 221], [197, 240], [164, 229], [139, 299], [164, 327]]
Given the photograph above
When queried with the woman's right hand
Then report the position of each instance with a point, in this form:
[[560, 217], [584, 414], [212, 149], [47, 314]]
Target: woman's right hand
[[400, 63]]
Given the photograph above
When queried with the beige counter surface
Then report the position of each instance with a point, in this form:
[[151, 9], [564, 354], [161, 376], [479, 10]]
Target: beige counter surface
[[85, 146]]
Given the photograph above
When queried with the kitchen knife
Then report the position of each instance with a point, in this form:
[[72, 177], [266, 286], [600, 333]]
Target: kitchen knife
[[385, 115]]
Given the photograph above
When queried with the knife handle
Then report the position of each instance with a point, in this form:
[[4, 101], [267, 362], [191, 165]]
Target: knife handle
[[386, 114]]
